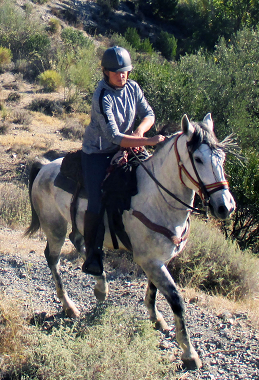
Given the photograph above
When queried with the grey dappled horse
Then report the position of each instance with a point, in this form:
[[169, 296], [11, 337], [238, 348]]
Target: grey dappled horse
[[189, 162]]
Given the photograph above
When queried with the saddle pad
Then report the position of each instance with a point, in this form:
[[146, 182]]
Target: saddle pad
[[68, 185]]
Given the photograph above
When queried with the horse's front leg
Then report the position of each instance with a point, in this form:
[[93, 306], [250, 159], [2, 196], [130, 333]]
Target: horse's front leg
[[52, 253], [161, 279], [150, 302]]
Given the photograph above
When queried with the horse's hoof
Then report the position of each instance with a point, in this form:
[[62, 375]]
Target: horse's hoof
[[100, 296], [192, 363], [72, 313], [161, 325]]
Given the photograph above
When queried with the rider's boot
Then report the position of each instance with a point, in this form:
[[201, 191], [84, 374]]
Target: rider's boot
[[93, 236]]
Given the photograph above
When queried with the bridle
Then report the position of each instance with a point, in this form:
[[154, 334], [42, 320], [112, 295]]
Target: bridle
[[204, 190]]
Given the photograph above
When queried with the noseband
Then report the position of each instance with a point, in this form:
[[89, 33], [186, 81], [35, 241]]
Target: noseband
[[204, 190]]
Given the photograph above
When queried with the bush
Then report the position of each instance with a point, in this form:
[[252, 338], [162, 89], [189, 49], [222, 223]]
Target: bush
[[50, 80], [5, 56], [54, 26], [167, 44], [73, 130], [215, 265], [74, 38], [14, 204], [37, 43], [244, 184], [146, 46], [79, 70], [47, 106], [109, 343], [132, 36]]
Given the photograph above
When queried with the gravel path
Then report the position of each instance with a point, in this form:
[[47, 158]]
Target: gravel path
[[225, 341]]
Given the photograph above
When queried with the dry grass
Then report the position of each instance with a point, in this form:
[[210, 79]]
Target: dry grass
[[109, 343]]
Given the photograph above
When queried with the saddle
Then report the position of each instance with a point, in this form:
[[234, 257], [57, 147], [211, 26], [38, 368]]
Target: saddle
[[119, 185]]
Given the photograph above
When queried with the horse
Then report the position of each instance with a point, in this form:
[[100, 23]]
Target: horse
[[157, 223]]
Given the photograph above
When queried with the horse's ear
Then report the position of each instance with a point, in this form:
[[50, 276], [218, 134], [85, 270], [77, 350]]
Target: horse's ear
[[187, 127], [209, 122]]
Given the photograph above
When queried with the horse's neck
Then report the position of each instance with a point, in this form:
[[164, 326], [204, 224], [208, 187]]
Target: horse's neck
[[164, 166]]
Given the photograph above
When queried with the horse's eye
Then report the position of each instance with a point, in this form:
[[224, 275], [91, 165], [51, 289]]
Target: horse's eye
[[198, 160]]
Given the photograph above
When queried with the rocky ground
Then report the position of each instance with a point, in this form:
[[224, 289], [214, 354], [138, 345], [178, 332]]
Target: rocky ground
[[224, 336], [225, 339]]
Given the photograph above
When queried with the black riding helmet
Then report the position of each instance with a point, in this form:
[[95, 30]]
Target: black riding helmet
[[116, 59]]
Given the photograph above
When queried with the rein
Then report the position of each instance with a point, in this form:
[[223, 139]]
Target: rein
[[204, 190], [166, 190]]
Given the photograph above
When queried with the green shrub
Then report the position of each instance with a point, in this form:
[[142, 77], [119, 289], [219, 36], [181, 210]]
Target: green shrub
[[5, 56], [74, 38], [119, 40], [215, 265], [110, 343], [167, 44], [37, 43], [146, 46], [50, 80], [79, 69], [24, 36], [54, 26], [132, 36], [244, 184]]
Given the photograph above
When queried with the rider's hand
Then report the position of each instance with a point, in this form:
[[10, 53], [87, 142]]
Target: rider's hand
[[156, 139]]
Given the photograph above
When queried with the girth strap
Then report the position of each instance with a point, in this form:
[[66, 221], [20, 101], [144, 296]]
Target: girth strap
[[163, 230]]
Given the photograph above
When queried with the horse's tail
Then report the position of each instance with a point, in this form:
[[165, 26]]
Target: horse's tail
[[35, 222]]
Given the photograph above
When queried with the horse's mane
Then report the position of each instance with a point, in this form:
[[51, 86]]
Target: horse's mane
[[202, 135]]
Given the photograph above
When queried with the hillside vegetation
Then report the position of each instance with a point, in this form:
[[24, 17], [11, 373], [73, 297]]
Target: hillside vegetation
[[197, 57]]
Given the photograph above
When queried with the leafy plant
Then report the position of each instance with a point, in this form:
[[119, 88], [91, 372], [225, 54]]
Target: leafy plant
[[50, 80], [5, 56], [132, 36], [54, 26], [74, 38], [167, 44]]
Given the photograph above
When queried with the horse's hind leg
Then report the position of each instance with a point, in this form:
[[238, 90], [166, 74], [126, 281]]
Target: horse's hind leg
[[150, 302], [160, 277], [52, 254]]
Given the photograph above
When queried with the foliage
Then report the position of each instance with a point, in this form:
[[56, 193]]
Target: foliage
[[164, 9], [54, 26], [132, 36], [73, 130], [5, 56], [215, 265], [244, 183], [109, 343], [78, 69], [24, 36], [74, 38], [14, 204], [47, 106], [50, 80], [167, 45]]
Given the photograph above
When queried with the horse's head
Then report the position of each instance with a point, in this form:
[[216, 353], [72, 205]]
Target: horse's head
[[201, 162]]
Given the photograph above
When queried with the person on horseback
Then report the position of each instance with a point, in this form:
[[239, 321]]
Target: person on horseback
[[116, 102]]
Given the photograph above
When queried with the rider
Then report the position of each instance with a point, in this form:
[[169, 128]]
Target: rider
[[116, 103]]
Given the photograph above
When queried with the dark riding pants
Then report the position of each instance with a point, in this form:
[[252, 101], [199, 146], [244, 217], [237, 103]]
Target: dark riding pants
[[94, 167]]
